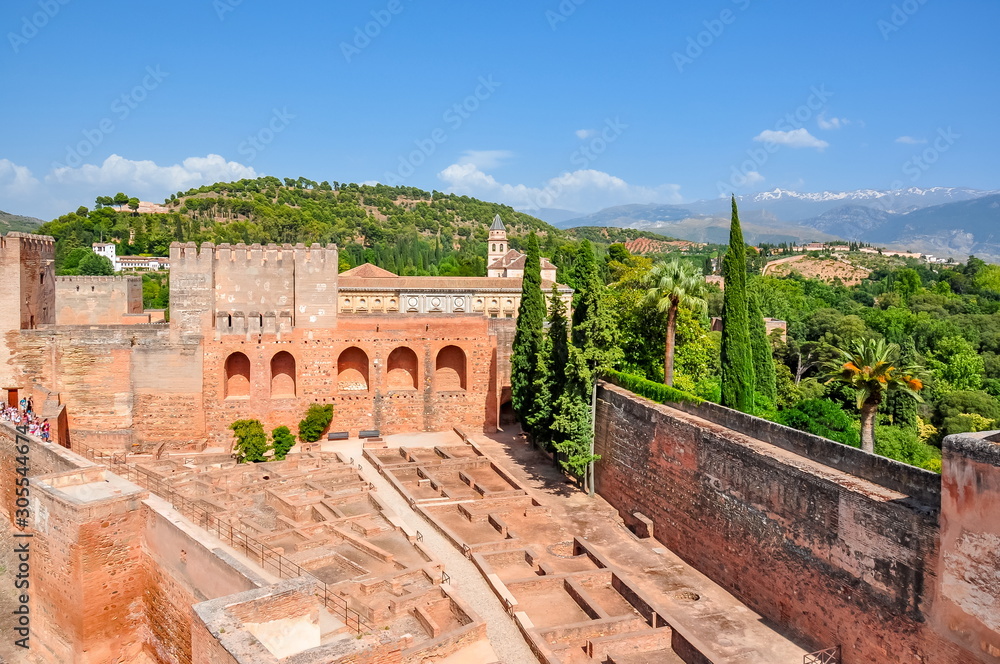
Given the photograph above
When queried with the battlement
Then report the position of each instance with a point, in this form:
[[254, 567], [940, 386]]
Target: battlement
[[188, 254], [28, 240]]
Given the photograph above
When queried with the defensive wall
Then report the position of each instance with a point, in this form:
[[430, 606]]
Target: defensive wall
[[842, 547], [253, 333], [99, 301]]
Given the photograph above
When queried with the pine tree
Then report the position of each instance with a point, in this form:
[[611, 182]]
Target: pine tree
[[528, 335], [571, 417], [594, 331], [764, 372], [737, 353]]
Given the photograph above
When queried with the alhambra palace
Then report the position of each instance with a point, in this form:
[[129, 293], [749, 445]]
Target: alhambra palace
[[422, 528]]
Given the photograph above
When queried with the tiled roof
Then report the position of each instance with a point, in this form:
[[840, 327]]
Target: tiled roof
[[369, 271], [467, 284], [515, 260], [497, 224]]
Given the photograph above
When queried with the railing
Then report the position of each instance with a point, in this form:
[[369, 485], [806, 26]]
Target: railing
[[828, 656], [445, 578], [235, 536]]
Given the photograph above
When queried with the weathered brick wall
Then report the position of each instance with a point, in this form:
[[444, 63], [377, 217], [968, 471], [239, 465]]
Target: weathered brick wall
[[317, 354], [26, 272], [967, 606], [837, 560], [97, 300]]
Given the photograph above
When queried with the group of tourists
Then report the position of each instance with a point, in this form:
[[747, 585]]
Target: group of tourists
[[24, 416]]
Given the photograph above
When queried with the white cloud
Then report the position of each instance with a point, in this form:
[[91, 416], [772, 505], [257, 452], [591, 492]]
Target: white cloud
[[580, 191], [831, 123], [485, 159], [909, 140], [64, 189], [147, 176], [584, 134], [16, 181], [752, 178], [797, 138]]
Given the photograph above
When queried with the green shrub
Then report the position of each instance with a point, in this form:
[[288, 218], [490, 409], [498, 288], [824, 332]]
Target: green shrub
[[317, 419], [822, 417], [283, 441], [905, 445], [251, 441], [646, 388]]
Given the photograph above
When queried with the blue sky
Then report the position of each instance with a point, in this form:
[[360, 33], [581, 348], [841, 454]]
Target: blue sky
[[578, 104]]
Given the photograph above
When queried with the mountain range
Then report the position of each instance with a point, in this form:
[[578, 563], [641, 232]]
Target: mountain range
[[945, 221]]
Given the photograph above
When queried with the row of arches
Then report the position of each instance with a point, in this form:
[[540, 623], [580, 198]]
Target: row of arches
[[353, 372]]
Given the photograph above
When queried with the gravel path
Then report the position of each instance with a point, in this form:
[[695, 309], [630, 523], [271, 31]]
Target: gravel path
[[504, 635]]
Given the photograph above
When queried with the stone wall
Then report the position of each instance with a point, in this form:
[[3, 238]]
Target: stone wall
[[837, 558], [27, 275], [968, 594], [97, 300], [353, 368]]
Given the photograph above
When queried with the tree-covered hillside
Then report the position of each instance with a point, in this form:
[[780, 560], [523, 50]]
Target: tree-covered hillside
[[403, 229]]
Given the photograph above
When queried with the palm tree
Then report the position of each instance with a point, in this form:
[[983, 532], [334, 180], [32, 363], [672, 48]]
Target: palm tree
[[868, 368], [672, 284]]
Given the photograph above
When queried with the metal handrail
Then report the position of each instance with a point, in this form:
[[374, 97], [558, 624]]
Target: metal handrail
[[235, 537], [827, 656]]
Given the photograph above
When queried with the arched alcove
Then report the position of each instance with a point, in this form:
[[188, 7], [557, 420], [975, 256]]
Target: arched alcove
[[352, 370], [402, 369], [282, 376], [450, 370], [237, 375]]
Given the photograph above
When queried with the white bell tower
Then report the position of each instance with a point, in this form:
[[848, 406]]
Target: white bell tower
[[498, 241]]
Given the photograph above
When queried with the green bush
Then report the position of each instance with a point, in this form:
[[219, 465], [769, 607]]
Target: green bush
[[317, 419], [822, 417], [251, 441], [904, 445], [283, 441], [647, 388]]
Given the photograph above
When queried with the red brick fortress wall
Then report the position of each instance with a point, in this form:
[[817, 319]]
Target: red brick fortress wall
[[443, 376], [838, 559]]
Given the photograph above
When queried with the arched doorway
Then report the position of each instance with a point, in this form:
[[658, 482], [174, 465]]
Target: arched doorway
[[450, 370], [237, 376], [352, 370], [283, 376], [402, 369]]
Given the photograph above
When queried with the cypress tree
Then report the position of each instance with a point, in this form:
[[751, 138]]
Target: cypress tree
[[900, 406], [764, 372], [737, 353], [594, 331], [528, 335], [571, 417]]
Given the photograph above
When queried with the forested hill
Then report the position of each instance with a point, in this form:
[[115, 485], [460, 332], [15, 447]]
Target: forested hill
[[403, 229]]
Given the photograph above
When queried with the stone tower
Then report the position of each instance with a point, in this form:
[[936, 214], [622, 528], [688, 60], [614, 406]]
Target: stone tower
[[27, 274], [498, 241]]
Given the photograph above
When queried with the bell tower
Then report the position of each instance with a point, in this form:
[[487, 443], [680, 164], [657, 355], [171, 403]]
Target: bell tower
[[498, 241]]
